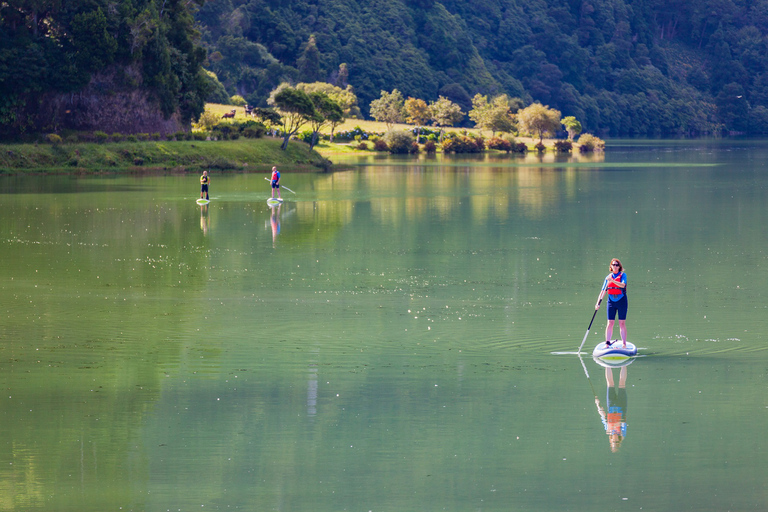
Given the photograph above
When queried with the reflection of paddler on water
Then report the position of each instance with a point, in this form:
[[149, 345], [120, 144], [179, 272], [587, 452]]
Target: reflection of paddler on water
[[274, 221], [204, 218], [614, 415]]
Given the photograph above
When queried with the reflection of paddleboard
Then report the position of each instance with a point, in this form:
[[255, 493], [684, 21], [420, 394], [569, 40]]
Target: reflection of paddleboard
[[203, 201], [273, 201], [615, 361], [615, 350]]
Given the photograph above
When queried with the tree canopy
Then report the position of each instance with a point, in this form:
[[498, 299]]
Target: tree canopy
[[388, 108], [537, 119]]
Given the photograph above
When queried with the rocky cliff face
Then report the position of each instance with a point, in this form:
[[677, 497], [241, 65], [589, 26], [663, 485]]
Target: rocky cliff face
[[113, 101]]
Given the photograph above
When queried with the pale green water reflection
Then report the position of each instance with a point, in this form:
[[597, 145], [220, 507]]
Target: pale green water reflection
[[384, 341]]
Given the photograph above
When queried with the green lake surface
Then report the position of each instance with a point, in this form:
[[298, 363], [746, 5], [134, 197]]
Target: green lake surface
[[390, 338]]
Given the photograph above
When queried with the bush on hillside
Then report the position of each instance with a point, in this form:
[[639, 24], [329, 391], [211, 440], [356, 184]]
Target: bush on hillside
[[54, 139]]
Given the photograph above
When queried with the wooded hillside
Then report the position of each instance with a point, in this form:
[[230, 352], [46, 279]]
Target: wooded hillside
[[622, 67], [128, 66]]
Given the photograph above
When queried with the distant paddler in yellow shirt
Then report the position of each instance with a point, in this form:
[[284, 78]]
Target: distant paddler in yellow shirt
[[204, 180]]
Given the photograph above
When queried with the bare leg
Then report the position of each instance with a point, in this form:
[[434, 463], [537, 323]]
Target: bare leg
[[623, 377], [623, 331], [609, 331]]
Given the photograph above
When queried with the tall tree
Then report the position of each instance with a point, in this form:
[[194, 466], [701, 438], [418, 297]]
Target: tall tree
[[539, 120], [327, 113], [296, 109], [388, 108], [572, 126], [445, 113], [417, 112], [495, 115]]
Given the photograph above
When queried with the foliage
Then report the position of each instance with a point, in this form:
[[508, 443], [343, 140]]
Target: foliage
[[217, 93], [539, 120], [267, 115], [563, 146], [296, 108], [462, 144], [399, 141], [327, 113], [237, 101], [445, 112], [344, 98], [572, 126], [53, 138], [495, 115], [388, 108], [207, 121], [380, 145], [430, 147], [589, 143], [500, 144], [520, 147]]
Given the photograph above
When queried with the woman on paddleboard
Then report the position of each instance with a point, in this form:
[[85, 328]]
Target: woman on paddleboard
[[204, 179], [275, 182], [615, 285]]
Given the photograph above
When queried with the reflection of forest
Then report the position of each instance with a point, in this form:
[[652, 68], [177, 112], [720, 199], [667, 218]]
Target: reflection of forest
[[97, 294], [396, 196]]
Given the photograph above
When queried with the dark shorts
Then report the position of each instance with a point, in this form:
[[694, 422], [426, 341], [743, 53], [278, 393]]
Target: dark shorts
[[204, 187], [620, 307], [275, 184]]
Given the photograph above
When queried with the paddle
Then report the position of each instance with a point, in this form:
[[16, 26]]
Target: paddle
[[286, 188], [599, 300]]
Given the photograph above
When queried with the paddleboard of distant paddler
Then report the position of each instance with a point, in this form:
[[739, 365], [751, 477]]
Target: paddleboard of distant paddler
[[615, 350], [203, 201], [274, 201]]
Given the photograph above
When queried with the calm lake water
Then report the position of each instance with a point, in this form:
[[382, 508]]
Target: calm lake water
[[384, 340]]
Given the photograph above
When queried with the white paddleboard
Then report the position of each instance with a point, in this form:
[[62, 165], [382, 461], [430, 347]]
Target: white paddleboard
[[203, 201], [274, 201], [615, 350]]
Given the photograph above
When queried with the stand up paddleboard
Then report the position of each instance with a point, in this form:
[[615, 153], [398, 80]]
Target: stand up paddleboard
[[203, 201], [615, 350], [274, 201]]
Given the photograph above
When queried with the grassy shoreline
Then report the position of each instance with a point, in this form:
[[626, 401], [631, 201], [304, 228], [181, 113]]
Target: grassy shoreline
[[248, 155], [153, 157]]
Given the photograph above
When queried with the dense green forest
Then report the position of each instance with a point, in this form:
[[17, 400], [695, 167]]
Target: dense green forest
[[124, 65], [622, 67]]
